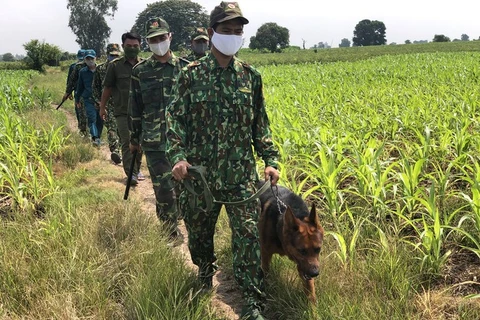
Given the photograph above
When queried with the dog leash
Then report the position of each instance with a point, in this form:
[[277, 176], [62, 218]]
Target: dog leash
[[198, 173], [280, 203]]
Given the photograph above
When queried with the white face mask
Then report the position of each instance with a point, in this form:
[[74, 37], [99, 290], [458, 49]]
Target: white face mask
[[226, 43], [160, 48]]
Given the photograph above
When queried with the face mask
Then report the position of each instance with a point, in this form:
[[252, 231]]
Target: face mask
[[90, 63], [199, 48], [131, 53], [226, 43], [110, 57], [160, 48]]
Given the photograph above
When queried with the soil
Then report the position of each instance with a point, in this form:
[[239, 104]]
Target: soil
[[226, 301]]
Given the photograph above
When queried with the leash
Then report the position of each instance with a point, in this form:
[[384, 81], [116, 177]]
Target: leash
[[198, 173], [280, 203]]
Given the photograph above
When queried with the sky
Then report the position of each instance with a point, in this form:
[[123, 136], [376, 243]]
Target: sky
[[311, 20]]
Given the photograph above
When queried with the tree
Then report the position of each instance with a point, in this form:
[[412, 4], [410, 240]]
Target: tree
[[40, 53], [408, 42], [8, 57], [440, 38], [87, 21], [465, 37], [369, 33], [270, 36], [183, 17], [345, 43]]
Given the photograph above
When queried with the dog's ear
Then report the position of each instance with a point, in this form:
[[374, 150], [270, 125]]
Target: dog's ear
[[290, 221], [313, 218]]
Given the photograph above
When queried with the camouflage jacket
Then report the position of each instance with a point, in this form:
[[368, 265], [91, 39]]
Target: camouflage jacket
[[73, 78], [150, 91], [98, 84], [217, 119]]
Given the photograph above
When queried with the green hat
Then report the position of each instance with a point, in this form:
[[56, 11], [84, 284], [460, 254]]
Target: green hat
[[226, 11], [156, 27], [200, 33], [113, 49]]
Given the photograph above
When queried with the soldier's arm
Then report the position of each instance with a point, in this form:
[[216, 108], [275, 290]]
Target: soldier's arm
[[135, 109], [262, 136], [72, 79], [97, 86], [108, 84], [177, 118], [80, 88]]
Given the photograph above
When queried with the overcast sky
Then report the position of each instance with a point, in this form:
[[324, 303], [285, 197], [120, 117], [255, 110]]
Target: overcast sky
[[312, 20]]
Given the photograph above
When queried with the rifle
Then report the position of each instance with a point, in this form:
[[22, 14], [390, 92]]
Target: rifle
[[63, 101], [130, 175]]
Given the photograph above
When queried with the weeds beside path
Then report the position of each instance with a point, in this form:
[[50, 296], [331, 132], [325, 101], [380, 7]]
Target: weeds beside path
[[226, 302]]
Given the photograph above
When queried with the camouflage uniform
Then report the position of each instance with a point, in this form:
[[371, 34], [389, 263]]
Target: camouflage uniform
[[199, 35], [215, 118], [150, 91], [109, 122], [72, 87]]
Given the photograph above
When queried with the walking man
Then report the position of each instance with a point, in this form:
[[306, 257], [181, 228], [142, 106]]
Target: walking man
[[113, 52], [150, 91], [85, 91], [117, 83], [217, 119]]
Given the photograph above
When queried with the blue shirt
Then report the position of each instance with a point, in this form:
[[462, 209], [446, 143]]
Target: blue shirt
[[84, 84]]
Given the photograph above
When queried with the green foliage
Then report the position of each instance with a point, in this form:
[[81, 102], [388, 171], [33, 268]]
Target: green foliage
[[41, 53], [441, 38], [369, 33], [87, 21], [270, 36], [345, 43], [8, 57], [183, 17]]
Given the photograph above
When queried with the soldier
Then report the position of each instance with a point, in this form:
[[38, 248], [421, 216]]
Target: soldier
[[200, 44], [72, 79], [217, 119], [117, 83], [113, 52], [150, 91], [84, 90]]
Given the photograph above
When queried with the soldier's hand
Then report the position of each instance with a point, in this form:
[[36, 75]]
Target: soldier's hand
[[103, 113], [272, 174], [135, 147], [78, 105], [66, 96], [70, 97], [179, 170]]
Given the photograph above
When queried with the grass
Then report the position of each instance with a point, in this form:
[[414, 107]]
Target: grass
[[386, 148]]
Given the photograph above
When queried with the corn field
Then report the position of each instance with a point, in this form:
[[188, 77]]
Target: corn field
[[26, 153], [387, 146]]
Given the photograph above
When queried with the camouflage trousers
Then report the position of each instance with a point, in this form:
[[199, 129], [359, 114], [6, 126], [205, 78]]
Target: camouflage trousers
[[124, 139], [111, 125], [245, 240], [159, 168], [81, 114]]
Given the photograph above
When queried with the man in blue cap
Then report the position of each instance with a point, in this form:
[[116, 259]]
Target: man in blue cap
[[84, 90]]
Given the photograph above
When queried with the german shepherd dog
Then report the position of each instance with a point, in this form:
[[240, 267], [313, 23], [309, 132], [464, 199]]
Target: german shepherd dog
[[294, 232]]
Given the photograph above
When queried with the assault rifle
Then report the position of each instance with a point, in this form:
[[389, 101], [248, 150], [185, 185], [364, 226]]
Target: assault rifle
[[58, 107]]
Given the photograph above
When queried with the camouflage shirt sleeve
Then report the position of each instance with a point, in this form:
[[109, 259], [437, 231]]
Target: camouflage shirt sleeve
[[97, 84], [135, 108], [262, 136], [177, 118], [72, 80], [80, 88]]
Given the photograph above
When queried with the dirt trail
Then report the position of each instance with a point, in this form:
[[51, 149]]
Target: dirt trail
[[227, 299]]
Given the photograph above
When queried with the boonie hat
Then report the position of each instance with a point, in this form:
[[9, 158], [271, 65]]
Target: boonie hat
[[113, 49], [90, 53], [226, 11], [200, 33], [156, 27]]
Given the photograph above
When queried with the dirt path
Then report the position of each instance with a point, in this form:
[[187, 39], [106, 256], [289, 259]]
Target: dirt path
[[227, 299]]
